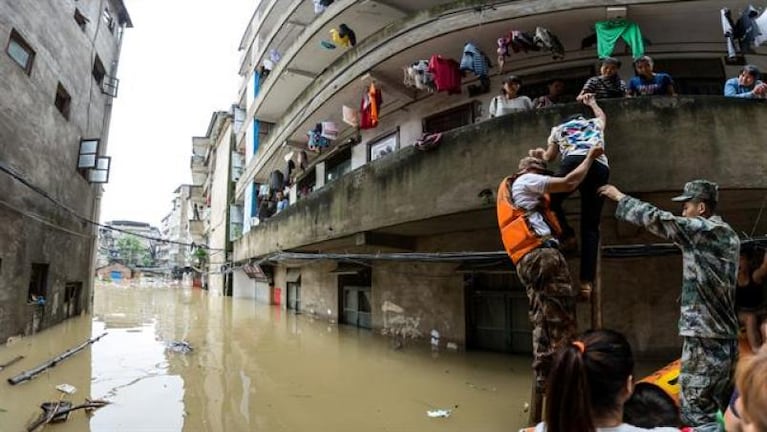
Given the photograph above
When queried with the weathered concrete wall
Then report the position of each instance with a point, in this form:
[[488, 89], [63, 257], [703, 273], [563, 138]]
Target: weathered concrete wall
[[219, 206], [319, 290], [690, 137], [242, 285], [38, 142], [410, 300]]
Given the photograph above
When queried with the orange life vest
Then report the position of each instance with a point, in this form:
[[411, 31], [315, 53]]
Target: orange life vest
[[517, 232]]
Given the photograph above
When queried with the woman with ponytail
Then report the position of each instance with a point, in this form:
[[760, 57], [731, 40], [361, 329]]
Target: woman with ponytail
[[589, 382]]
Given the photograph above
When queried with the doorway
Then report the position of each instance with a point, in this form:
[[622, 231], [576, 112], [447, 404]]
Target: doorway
[[355, 298], [497, 313]]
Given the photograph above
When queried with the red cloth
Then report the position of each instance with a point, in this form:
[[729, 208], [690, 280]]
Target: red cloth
[[447, 74], [370, 107]]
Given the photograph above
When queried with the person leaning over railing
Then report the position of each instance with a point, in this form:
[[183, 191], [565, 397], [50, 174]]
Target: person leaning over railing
[[607, 84], [746, 85], [647, 82]]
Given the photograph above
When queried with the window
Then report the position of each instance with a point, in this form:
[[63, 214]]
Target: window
[[63, 101], [338, 165], [383, 146], [451, 119], [89, 151], [108, 20], [98, 71], [80, 19], [38, 282], [20, 51]]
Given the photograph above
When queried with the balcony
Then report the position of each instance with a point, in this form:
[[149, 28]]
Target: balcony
[[199, 170], [654, 145]]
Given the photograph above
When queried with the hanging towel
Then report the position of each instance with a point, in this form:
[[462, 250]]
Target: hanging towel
[[345, 32], [370, 107], [329, 130], [350, 116], [608, 32], [550, 42]]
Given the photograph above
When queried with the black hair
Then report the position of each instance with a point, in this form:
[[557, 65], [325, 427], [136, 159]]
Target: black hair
[[586, 380], [650, 407], [610, 61], [752, 70]]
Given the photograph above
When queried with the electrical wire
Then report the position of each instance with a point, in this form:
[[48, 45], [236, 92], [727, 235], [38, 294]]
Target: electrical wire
[[18, 177]]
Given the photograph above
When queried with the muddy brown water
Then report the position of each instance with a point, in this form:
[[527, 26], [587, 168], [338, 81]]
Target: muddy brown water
[[253, 368]]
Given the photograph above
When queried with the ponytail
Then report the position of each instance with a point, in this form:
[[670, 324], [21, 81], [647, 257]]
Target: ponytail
[[586, 380], [568, 405]]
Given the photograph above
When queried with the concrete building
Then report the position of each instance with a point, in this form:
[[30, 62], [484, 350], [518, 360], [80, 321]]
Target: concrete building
[[361, 206], [215, 169], [179, 228], [108, 250], [59, 76]]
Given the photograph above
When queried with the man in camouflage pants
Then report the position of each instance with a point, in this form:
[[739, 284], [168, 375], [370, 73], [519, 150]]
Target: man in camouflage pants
[[708, 322]]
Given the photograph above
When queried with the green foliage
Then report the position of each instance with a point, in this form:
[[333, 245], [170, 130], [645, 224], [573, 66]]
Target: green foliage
[[132, 252]]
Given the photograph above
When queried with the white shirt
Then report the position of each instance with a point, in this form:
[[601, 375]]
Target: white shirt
[[501, 105], [540, 427], [527, 192]]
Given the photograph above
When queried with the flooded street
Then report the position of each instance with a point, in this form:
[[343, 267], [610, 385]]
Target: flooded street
[[253, 367]]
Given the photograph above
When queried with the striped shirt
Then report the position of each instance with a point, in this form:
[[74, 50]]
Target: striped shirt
[[605, 87]]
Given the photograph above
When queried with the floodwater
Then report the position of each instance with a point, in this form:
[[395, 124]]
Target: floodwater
[[253, 368]]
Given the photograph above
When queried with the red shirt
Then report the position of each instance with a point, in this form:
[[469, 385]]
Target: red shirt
[[447, 74]]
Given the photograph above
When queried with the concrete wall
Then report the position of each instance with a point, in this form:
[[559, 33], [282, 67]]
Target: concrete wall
[[446, 181], [219, 206], [412, 299], [38, 142], [242, 285], [319, 290]]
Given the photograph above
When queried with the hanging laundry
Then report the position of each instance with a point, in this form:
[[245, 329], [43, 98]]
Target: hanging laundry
[[746, 29], [417, 75], [548, 41], [274, 55], [316, 141], [329, 130], [733, 49], [321, 5], [345, 32], [327, 45], [474, 60], [608, 32], [350, 116], [761, 22], [522, 41], [447, 74], [370, 107]]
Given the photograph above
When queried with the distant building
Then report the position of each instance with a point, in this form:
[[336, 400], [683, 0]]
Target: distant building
[[176, 253], [148, 236], [116, 272], [58, 69]]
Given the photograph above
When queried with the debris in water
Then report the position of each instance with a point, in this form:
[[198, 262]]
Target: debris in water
[[439, 413], [452, 346], [526, 407], [10, 362], [66, 388], [182, 347]]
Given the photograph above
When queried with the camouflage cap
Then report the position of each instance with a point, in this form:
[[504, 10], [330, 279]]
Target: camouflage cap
[[702, 190], [529, 162]]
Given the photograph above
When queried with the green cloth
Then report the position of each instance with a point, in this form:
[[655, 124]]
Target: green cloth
[[608, 32]]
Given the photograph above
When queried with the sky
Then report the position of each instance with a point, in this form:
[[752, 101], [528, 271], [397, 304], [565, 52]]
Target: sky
[[178, 65]]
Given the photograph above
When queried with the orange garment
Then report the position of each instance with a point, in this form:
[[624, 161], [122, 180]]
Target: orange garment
[[517, 233], [373, 94]]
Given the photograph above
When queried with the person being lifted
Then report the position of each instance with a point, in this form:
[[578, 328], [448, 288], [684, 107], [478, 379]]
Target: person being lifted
[[708, 323], [573, 139], [529, 230]]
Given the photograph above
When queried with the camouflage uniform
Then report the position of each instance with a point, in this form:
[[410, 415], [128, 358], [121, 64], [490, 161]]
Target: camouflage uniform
[[708, 322], [546, 277]]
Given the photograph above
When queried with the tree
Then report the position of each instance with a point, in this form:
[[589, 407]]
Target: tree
[[131, 251]]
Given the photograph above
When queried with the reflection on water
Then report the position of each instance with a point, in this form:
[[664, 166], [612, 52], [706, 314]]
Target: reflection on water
[[253, 368]]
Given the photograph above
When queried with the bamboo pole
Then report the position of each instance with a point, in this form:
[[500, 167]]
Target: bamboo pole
[[28, 375], [596, 295]]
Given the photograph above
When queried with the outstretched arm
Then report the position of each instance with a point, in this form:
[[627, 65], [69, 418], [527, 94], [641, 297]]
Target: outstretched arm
[[571, 181], [591, 101]]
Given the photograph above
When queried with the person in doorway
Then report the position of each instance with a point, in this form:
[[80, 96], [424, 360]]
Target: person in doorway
[[553, 97], [591, 378], [647, 82], [528, 230], [573, 139], [749, 296], [509, 100], [607, 84], [708, 323], [746, 84], [282, 202]]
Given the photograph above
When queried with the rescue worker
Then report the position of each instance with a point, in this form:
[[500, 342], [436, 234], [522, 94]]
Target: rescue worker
[[529, 229], [708, 323]]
